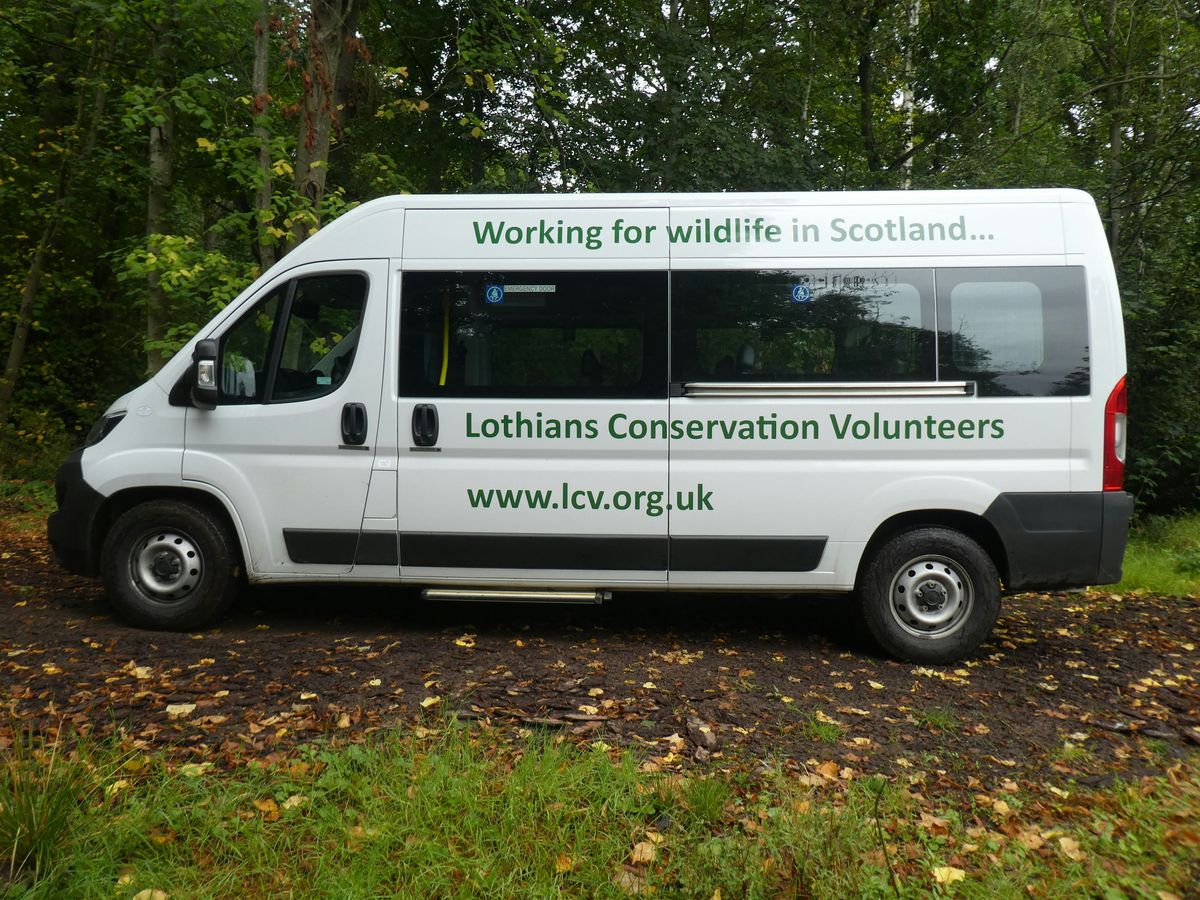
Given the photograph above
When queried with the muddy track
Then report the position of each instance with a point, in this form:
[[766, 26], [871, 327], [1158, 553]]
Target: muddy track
[[1080, 686]]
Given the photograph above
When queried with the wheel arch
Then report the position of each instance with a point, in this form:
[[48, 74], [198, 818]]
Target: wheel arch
[[973, 526], [121, 502]]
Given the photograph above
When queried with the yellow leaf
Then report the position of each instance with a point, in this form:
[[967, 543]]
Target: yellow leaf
[[467, 640], [295, 801], [476, 132], [948, 874], [470, 81], [595, 692], [375, 682], [563, 864], [151, 894], [589, 710], [491, 82], [308, 695], [179, 710], [875, 685], [194, 770], [269, 808], [430, 701], [1070, 848], [643, 854], [206, 145], [119, 785], [141, 672]]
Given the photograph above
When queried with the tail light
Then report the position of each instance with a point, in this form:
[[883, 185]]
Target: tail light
[[1115, 412]]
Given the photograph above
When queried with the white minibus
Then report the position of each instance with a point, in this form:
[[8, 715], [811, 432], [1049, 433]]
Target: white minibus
[[915, 399]]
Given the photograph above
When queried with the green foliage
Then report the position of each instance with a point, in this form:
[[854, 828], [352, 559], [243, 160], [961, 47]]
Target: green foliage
[[501, 95], [1163, 557], [41, 791], [455, 811], [197, 282]]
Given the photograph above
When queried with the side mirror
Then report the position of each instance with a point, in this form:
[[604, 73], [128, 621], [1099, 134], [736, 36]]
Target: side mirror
[[204, 374]]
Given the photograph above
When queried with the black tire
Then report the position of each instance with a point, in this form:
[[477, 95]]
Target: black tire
[[930, 595], [170, 566]]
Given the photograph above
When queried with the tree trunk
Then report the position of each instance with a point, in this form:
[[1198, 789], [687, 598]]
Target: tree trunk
[[161, 158], [262, 198], [332, 23], [866, 90], [37, 264]]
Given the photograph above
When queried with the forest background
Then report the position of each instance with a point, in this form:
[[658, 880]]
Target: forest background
[[156, 155]]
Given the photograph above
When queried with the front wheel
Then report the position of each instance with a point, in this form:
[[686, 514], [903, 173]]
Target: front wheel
[[930, 595], [169, 565]]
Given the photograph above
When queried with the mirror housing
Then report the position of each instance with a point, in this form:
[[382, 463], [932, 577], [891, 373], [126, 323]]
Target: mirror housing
[[204, 374]]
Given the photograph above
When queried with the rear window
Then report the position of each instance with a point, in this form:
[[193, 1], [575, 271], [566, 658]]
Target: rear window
[[1015, 332]]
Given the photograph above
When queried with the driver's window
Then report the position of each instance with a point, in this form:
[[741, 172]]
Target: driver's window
[[308, 355]]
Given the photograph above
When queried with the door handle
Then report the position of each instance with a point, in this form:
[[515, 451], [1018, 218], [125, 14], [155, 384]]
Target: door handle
[[354, 424], [425, 425]]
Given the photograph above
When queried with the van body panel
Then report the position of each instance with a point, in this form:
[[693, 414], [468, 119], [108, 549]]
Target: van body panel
[[981, 392]]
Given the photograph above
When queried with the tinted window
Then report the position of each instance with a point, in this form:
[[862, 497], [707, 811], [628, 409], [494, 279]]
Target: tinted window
[[822, 325], [524, 334], [1015, 332], [297, 343]]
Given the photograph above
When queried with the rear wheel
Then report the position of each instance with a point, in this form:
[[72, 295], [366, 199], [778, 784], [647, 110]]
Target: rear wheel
[[930, 595], [170, 565]]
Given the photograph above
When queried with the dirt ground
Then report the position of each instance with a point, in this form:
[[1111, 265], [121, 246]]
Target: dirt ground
[[1071, 686]]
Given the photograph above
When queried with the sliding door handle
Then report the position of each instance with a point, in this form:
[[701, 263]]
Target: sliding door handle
[[425, 425]]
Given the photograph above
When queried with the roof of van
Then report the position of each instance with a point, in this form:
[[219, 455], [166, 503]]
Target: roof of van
[[315, 247]]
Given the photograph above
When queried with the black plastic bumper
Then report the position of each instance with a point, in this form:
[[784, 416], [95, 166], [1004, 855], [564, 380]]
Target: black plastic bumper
[[1062, 540], [70, 529]]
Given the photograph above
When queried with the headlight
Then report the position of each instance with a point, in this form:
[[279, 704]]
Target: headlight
[[101, 429]]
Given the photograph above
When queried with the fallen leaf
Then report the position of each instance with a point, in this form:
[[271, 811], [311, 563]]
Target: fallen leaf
[[151, 894], [194, 770], [875, 685], [563, 864], [467, 640], [269, 808], [295, 801], [375, 682], [948, 874], [828, 770], [430, 701], [179, 710], [1070, 848], [116, 787], [643, 854]]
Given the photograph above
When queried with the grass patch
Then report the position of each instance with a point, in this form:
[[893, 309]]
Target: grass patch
[[41, 794], [1163, 557], [26, 504], [474, 811], [819, 728], [935, 718]]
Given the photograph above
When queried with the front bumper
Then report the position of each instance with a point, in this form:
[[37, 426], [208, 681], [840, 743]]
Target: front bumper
[[72, 527]]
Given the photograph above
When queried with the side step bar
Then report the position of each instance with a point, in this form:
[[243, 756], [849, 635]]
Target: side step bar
[[502, 596]]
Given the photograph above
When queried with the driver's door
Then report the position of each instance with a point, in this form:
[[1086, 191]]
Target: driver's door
[[291, 442]]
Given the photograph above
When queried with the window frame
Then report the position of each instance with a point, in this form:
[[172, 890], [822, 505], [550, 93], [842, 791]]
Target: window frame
[[279, 334]]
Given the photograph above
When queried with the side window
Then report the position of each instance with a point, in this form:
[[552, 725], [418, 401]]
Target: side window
[[297, 343], [1015, 332], [533, 334], [817, 325], [246, 350]]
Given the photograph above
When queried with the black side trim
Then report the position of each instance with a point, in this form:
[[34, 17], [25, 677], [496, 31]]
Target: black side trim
[[532, 551], [70, 529], [377, 548], [1057, 540], [329, 548], [746, 554]]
